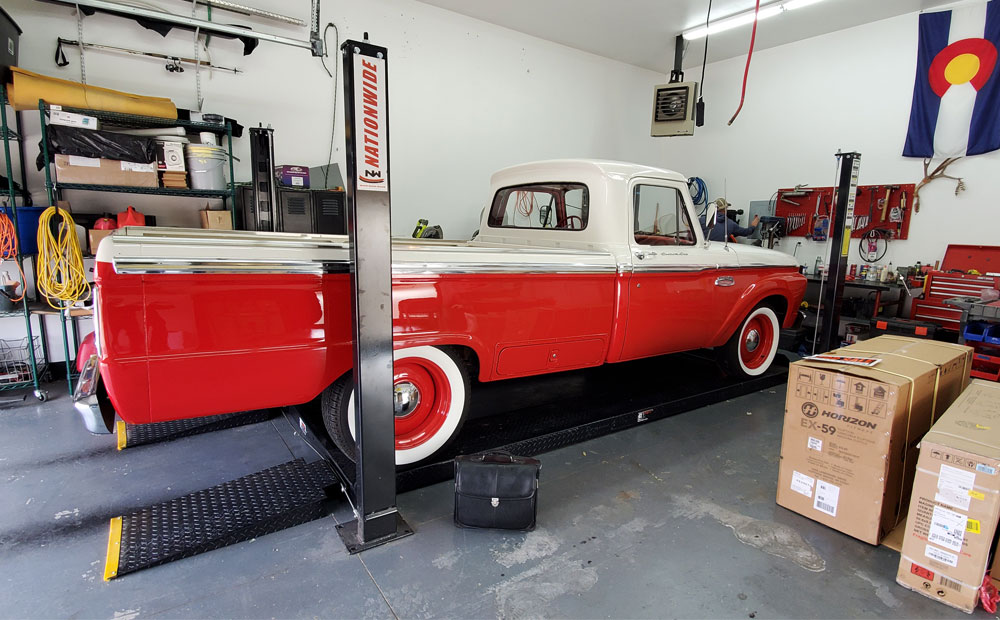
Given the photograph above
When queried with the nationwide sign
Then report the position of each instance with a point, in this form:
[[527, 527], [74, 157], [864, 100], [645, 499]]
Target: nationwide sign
[[370, 124]]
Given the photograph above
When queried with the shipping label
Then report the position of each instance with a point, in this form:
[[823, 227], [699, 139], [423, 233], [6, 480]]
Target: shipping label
[[802, 483], [947, 528], [827, 496], [945, 557], [88, 162], [954, 487], [815, 444]]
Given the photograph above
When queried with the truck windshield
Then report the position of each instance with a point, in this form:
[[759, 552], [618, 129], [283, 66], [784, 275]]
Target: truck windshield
[[559, 206]]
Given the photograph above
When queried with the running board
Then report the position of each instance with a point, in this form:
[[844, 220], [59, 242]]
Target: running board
[[267, 501], [132, 435]]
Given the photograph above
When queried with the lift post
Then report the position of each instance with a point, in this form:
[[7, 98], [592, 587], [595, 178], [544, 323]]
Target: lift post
[[368, 199], [840, 242]]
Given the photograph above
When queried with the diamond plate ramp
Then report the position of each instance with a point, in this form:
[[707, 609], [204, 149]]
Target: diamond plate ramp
[[263, 502], [132, 435]]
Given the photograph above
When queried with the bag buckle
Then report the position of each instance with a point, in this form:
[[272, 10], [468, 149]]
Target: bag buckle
[[494, 501]]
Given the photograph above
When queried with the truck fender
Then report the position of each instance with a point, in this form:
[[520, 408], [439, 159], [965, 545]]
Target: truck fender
[[751, 297]]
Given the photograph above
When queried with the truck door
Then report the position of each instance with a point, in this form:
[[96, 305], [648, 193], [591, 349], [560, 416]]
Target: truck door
[[681, 289]]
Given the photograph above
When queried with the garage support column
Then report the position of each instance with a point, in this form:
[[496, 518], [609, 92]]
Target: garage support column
[[840, 242], [367, 135]]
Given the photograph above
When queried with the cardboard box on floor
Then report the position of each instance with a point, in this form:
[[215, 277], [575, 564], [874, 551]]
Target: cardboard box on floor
[[955, 502], [848, 446], [216, 219]]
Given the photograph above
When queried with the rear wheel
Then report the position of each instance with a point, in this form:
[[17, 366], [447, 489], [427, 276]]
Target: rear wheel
[[752, 348], [430, 397]]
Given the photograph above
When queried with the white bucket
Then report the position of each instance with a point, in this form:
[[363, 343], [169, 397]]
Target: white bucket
[[205, 165]]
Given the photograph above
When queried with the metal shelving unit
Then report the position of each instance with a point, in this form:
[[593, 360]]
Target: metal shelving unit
[[128, 121], [159, 191], [21, 368]]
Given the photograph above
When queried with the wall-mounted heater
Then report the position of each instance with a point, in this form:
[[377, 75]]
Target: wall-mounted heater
[[673, 109]]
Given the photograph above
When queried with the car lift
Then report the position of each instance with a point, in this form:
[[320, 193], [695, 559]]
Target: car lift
[[832, 290], [616, 397]]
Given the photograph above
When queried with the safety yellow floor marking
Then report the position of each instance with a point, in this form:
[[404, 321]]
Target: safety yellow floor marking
[[114, 548]]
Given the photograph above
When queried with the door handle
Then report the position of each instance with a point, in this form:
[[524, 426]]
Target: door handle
[[725, 281], [641, 254]]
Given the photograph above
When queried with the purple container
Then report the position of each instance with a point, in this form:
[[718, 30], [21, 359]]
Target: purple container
[[292, 176]]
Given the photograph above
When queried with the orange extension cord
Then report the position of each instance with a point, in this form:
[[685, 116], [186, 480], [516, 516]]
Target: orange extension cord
[[8, 248]]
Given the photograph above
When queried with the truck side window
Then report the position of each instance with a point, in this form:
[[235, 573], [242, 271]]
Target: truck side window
[[559, 206], [660, 217]]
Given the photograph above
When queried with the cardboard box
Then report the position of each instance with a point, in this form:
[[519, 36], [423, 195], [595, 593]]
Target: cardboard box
[[95, 237], [848, 448], [216, 219], [292, 176], [956, 501], [74, 169]]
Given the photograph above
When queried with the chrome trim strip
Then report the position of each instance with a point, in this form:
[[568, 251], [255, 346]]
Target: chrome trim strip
[[647, 268], [146, 265], [409, 268], [251, 239]]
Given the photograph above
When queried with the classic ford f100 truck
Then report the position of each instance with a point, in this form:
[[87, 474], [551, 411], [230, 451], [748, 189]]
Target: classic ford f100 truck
[[577, 263]]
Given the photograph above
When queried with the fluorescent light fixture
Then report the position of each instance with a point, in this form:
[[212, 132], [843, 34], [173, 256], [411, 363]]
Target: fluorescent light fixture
[[746, 17]]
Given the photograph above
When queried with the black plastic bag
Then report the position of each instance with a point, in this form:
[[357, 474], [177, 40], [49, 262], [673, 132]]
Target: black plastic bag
[[94, 143]]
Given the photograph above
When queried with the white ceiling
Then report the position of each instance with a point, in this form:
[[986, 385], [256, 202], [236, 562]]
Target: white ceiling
[[641, 32]]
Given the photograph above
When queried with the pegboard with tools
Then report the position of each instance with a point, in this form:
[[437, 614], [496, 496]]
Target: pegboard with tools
[[809, 210]]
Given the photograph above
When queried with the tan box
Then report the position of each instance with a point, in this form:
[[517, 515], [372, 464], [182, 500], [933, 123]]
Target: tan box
[[217, 220], [73, 169], [95, 237], [956, 501], [848, 448]]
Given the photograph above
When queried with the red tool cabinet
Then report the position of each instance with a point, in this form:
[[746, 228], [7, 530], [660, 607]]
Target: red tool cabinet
[[951, 280]]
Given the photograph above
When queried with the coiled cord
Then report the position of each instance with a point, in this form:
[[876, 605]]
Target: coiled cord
[[8, 248], [61, 275]]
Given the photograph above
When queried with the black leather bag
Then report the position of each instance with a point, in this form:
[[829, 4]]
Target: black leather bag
[[496, 490]]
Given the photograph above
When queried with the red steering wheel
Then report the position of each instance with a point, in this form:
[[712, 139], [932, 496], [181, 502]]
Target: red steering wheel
[[569, 222]]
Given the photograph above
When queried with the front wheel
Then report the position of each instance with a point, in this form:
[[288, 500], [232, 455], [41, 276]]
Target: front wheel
[[752, 348], [430, 398]]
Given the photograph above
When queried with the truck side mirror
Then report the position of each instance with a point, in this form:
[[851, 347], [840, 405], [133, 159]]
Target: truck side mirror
[[711, 213]]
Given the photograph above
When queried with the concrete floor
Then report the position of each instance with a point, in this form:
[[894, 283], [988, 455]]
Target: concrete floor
[[673, 519]]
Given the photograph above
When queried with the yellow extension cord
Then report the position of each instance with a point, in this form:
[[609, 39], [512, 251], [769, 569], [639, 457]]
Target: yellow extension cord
[[61, 275]]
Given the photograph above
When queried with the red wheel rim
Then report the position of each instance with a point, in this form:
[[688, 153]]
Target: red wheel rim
[[756, 340], [428, 414]]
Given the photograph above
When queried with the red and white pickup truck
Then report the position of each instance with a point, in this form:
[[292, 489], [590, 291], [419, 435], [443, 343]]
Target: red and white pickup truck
[[577, 263]]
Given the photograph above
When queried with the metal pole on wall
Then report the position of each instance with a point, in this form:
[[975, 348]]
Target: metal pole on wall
[[840, 243], [366, 113]]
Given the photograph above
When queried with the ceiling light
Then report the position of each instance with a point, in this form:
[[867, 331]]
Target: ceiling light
[[746, 17]]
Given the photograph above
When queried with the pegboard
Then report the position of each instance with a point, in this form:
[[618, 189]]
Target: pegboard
[[873, 209]]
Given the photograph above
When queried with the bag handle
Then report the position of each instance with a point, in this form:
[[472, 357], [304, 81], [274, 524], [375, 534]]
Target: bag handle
[[482, 457]]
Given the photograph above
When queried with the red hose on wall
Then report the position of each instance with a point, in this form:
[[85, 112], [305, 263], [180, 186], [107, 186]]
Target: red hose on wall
[[746, 71]]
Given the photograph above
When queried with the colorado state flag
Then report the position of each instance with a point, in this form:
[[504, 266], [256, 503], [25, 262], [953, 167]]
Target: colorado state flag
[[956, 97]]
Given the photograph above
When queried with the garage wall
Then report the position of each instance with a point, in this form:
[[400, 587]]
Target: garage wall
[[848, 90], [465, 97]]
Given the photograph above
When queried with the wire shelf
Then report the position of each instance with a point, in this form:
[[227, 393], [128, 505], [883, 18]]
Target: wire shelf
[[15, 361], [160, 191], [135, 121], [9, 134]]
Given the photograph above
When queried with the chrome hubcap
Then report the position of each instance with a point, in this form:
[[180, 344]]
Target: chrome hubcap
[[752, 340], [405, 398]]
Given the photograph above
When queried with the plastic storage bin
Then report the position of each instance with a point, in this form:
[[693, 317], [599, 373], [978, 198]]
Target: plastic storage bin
[[985, 367], [27, 227], [975, 331], [992, 334]]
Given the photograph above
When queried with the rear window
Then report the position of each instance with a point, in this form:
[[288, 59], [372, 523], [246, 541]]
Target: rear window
[[559, 206]]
